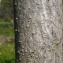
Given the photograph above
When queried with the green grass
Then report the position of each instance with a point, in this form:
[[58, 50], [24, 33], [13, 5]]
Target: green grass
[[6, 29], [7, 54], [5, 23]]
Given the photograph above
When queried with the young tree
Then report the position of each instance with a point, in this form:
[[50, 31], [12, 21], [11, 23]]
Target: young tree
[[38, 31]]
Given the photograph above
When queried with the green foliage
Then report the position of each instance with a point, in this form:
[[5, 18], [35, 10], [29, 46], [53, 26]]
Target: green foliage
[[7, 54]]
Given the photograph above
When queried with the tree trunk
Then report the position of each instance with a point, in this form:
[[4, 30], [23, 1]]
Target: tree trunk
[[38, 31]]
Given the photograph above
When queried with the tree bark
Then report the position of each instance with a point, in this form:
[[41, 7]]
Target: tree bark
[[38, 31]]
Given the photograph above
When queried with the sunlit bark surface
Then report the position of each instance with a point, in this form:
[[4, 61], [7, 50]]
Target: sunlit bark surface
[[40, 31]]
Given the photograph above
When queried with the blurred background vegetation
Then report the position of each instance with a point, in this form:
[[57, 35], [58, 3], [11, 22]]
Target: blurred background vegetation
[[7, 53], [6, 10]]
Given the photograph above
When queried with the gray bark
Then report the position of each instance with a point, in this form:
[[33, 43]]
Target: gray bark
[[40, 31]]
